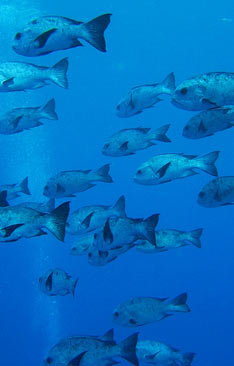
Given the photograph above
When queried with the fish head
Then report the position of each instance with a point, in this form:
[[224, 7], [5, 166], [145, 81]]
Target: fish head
[[192, 129], [106, 150], [50, 361], [125, 108], [209, 195], [50, 190], [191, 95], [125, 317], [24, 44], [145, 175]]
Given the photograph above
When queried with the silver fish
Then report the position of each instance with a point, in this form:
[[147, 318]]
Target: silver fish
[[205, 91], [144, 96], [20, 119], [218, 192], [145, 310], [130, 140], [161, 354], [170, 239], [53, 33], [208, 122], [66, 183], [90, 218], [56, 282], [19, 76], [13, 190], [119, 232], [167, 167], [89, 351]]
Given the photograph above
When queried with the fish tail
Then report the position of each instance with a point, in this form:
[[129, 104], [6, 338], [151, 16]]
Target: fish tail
[[187, 358], [119, 207], [48, 111], [74, 287], [160, 134], [56, 221], [207, 163], [179, 303], [169, 83], [103, 174], [148, 229], [24, 186], [59, 73], [128, 349], [95, 29], [194, 237]]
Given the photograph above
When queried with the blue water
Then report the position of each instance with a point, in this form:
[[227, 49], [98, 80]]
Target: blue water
[[145, 42]]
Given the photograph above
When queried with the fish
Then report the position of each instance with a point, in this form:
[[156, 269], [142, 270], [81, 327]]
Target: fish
[[48, 34], [218, 192], [90, 218], [57, 282], [99, 258], [208, 122], [31, 222], [20, 119], [81, 246], [20, 76], [205, 91], [129, 141], [90, 350], [14, 190], [170, 239], [164, 168], [140, 311], [161, 354], [144, 97], [66, 183], [120, 231]]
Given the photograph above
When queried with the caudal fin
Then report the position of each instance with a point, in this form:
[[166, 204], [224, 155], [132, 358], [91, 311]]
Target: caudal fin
[[169, 83], [58, 73], [48, 111], [187, 358], [103, 174], [128, 349], [95, 29], [56, 221], [148, 229], [160, 134], [179, 303], [119, 207], [194, 237], [207, 163], [24, 186]]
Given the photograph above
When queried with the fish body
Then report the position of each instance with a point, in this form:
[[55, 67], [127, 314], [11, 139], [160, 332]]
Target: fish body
[[145, 310], [66, 183], [119, 232], [19, 76], [53, 33], [130, 140], [41, 207], [32, 222], [161, 354], [218, 192], [88, 350], [20, 119], [99, 258], [90, 218], [205, 91], [13, 190], [170, 239], [56, 282], [143, 97], [208, 122], [167, 167]]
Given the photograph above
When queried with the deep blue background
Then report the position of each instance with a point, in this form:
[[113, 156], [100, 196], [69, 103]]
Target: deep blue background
[[145, 41]]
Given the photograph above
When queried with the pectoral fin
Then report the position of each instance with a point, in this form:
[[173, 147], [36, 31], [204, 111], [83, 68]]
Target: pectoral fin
[[124, 146], [60, 188], [8, 82], [41, 40], [107, 234], [49, 282], [15, 122], [162, 171]]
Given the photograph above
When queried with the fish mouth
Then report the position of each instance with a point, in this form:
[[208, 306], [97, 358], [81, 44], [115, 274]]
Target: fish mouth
[[177, 104]]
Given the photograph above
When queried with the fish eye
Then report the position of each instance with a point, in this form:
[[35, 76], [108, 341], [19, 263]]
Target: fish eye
[[40, 279], [49, 360], [116, 314], [74, 249], [34, 21], [106, 146], [132, 321], [95, 236], [139, 171], [90, 255], [184, 91], [201, 194], [118, 107], [18, 35]]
